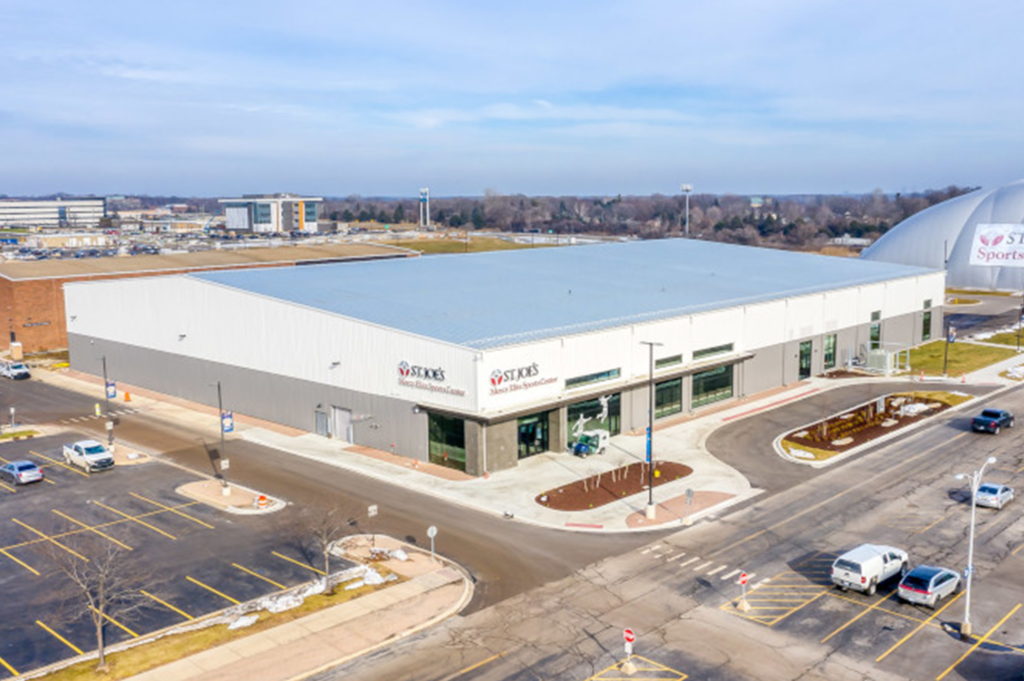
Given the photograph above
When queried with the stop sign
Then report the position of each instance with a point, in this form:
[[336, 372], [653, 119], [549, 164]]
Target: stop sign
[[743, 578], [628, 635]]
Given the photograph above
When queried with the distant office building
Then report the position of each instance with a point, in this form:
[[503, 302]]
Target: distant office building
[[75, 213], [271, 213]]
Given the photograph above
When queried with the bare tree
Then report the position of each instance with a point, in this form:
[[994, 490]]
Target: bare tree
[[102, 585], [323, 524]]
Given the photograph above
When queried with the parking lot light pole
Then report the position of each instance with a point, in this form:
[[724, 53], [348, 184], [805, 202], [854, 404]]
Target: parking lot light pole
[[650, 432], [975, 481]]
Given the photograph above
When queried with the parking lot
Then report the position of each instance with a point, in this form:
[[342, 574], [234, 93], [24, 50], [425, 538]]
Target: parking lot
[[195, 559], [911, 640]]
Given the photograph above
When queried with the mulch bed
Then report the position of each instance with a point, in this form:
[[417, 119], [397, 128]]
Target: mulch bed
[[846, 373], [615, 485], [864, 424]]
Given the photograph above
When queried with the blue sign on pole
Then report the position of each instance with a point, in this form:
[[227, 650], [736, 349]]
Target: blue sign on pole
[[648, 444], [111, 390], [227, 421]]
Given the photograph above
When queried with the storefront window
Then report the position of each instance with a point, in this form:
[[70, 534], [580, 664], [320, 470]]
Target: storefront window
[[447, 442], [830, 351], [712, 386], [668, 398], [603, 412]]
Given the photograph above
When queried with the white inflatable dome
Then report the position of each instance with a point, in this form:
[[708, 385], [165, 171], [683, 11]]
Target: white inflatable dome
[[946, 230]]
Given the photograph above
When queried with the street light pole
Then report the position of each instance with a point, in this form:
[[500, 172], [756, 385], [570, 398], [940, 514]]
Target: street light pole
[[650, 431], [950, 338], [686, 189], [106, 390], [1020, 319], [975, 481], [220, 423]]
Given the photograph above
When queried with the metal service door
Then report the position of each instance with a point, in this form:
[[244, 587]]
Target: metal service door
[[342, 420], [323, 424]]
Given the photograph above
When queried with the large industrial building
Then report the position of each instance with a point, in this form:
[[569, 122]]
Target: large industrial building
[[74, 213], [271, 213], [476, 361]]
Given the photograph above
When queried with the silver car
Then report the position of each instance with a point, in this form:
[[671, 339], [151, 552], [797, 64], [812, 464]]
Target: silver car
[[927, 585], [21, 472], [993, 495]]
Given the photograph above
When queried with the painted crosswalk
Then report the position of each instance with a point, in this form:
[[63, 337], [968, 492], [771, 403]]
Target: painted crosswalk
[[92, 417]]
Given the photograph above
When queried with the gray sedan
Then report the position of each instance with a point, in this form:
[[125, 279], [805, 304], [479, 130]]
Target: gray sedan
[[993, 495], [927, 585], [21, 472]]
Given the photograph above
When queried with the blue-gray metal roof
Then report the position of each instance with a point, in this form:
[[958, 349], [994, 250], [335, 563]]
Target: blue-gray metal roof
[[493, 299]]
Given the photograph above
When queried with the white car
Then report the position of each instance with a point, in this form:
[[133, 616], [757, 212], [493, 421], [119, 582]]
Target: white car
[[867, 566], [993, 495]]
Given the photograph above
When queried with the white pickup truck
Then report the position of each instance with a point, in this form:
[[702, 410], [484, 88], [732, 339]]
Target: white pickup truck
[[89, 455]]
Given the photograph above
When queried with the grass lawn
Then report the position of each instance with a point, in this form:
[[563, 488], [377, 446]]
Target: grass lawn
[[1008, 338], [476, 245], [175, 647], [11, 435], [963, 358]]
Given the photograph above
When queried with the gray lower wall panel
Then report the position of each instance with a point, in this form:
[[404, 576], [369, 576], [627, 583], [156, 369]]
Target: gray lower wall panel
[[378, 422]]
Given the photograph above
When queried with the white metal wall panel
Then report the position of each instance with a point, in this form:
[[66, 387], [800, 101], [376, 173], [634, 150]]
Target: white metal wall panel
[[186, 316], [901, 298], [763, 325], [715, 328], [839, 309], [674, 336], [803, 316], [870, 298]]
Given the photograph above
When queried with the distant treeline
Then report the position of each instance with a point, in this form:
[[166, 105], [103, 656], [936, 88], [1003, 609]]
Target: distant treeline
[[783, 221]]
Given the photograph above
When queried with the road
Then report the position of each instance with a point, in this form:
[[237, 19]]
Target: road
[[679, 593]]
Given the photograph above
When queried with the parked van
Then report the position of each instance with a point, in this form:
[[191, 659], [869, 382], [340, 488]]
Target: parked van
[[867, 566], [9, 369]]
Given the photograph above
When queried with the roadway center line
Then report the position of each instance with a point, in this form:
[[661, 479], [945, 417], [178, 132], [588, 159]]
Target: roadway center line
[[975, 646], [471, 667], [172, 510], [814, 507], [91, 529]]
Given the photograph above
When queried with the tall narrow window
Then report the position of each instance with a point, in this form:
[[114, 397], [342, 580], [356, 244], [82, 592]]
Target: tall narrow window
[[876, 330], [830, 351], [926, 321]]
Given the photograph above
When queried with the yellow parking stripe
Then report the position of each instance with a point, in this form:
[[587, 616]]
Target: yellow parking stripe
[[172, 510], [53, 541], [115, 622], [301, 565], [136, 520], [167, 605], [57, 462], [8, 487], [980, 641], [91, 529], [9, 668], [256, 574], [210, 588], [60, 638], [862, 613], [918, 628], [24, 565], [1014, 552]]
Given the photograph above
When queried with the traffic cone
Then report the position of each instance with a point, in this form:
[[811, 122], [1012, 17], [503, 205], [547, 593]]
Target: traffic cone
[[922, 375], [127, 396], [963, 377]]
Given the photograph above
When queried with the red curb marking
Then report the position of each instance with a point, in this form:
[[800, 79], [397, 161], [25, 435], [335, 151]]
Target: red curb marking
[[598, 527], [772, 404]]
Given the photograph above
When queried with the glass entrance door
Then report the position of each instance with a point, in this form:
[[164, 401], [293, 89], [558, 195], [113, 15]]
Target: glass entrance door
[[805, 360], [533, 435]]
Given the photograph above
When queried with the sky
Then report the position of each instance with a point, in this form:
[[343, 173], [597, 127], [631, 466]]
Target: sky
[[563, 97]]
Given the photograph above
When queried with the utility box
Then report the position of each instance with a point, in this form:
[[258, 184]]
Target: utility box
[[16, 351]]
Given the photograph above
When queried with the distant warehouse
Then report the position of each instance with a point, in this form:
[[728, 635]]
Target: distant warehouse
[[476, 361], [32, 293]]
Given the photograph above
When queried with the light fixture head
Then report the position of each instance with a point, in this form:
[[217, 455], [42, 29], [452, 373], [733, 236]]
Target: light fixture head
[[181, 336], [960, 476], [990, 460]]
